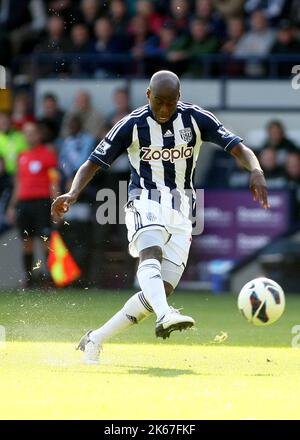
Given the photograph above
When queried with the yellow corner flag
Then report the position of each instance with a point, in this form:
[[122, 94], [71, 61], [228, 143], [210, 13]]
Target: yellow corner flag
[[61, 264]]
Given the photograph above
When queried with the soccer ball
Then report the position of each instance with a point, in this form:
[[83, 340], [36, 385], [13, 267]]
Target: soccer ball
[[261, 301]]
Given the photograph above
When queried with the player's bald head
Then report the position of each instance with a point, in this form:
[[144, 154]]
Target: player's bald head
[[165, 82], [163, 94]]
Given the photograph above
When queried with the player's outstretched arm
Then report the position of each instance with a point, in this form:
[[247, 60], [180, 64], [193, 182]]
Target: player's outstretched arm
[[83, 176], [249, 161]]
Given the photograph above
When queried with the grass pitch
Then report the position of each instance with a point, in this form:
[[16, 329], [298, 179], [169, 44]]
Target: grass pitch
[[253, 373]]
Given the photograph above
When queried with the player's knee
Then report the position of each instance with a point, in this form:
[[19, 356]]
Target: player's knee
[[168, 288], [151, 252]]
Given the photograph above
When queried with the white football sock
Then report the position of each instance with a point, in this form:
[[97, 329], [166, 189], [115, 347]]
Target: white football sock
[[149, 276], [133, 311]]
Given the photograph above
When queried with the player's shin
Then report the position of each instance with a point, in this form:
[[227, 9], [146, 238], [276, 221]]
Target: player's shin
[[134, 310], [149, 276]]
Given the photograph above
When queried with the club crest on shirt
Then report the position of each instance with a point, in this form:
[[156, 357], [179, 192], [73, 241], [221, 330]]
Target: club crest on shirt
[[151, 217], [186, 134]]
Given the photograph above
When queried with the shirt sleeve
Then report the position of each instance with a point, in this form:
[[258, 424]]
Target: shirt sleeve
[[212, 130], [117, 140]]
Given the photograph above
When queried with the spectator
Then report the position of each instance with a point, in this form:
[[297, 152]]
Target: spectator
[[203, 42], [56, 40], [235, 31], [80, 39], [12, 143], [75, 149], [180, 13], [30, 205], [292, 167], [256, 42], [22, 110], [64, 9], [5, 194], [229, 8], [274, 173], [47, 135], [92, 121], [189, 48], [177, 53], [122, 106], [292, 172], [271, 8], [278, 141], [119, 17], [23, 20], [89, 12], [146, 9], [286, 44], [52, 115], [139, 37], [205, 9], [81, 44], [140, 32], [157, 47], [108, 44]]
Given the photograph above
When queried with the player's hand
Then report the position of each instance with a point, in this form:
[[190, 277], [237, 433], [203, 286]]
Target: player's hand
[[61, 205], [258, 187]]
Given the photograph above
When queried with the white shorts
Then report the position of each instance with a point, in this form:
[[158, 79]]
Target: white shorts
[[150, 215]]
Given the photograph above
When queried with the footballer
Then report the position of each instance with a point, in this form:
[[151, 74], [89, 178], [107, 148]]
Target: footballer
[[163, 140]]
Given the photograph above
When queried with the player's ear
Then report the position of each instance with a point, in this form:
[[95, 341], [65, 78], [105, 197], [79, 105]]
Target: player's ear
[[148, 93]]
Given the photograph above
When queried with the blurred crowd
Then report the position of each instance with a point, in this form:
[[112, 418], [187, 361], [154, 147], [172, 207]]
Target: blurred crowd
[[39, 156], [70, 135], [153, 33], [279, 157]]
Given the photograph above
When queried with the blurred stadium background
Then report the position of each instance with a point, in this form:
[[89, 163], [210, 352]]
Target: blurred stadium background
[[77, 67]]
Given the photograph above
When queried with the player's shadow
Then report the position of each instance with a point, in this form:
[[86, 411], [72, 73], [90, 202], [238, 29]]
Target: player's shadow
[[161, 372]]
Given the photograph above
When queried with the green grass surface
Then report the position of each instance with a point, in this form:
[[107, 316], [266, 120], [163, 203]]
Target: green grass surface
[[253, 374]]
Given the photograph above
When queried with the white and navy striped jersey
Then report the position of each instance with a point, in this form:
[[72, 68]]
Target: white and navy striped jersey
[[163, 156]]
